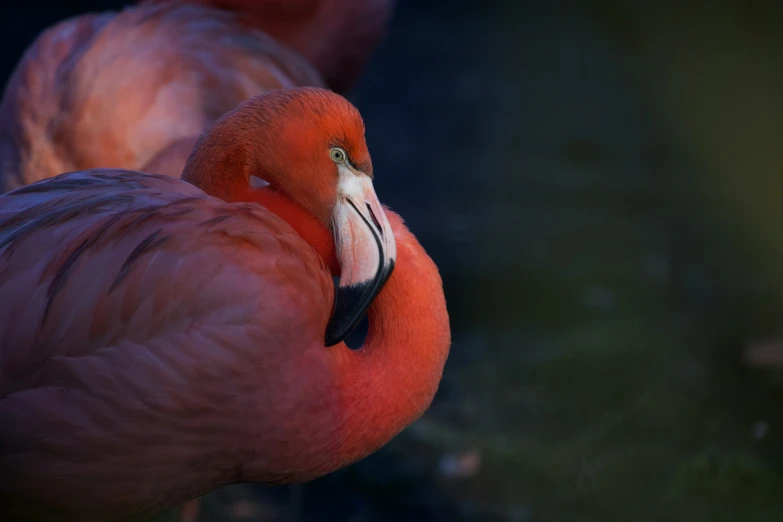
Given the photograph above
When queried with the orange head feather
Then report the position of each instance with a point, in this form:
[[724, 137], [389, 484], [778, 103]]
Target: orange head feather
[[308, 144], [283, 137]]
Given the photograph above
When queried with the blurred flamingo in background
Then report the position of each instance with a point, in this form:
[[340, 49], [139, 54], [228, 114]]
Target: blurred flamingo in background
[[161, 337], [134, 89], [335, 36]]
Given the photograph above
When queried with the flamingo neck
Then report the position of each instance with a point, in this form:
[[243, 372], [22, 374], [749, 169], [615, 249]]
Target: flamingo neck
[[391, 380]]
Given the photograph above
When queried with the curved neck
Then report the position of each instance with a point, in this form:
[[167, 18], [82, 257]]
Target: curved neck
[[409, 335], [391, 380], [408, 339]]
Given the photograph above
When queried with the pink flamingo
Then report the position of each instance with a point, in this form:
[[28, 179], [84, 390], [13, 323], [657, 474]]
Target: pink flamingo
[[134, 89], [161, 337]]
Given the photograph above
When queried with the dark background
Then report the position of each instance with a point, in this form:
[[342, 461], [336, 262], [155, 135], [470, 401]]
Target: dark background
[[600, 185]]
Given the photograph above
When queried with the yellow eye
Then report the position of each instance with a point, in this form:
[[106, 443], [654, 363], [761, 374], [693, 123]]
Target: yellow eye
[[337, 154]]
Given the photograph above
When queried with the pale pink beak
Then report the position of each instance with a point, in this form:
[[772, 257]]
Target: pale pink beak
[[365, 248]]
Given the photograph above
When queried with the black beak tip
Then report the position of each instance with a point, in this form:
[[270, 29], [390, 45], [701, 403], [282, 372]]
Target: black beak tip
[[350, 305], [332, 338]]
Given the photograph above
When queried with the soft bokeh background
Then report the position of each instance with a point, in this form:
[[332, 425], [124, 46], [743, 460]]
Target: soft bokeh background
[[601, 184]]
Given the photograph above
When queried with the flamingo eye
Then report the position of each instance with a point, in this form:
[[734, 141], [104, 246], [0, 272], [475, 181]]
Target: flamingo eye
[[337, 154]]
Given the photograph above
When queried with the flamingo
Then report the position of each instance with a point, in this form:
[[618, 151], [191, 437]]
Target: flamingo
[[161, 337], [134, 89]]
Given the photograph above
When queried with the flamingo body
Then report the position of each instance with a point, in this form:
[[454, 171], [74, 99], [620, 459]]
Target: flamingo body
[[168, 352]]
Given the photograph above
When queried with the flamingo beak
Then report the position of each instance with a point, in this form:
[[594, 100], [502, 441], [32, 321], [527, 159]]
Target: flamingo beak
[[365, 248]]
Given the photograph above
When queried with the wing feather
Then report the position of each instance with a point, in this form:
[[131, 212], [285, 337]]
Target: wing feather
[[91, 260], [115, 342]]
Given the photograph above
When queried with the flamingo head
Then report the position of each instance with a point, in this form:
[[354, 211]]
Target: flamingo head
[[308, 144]]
